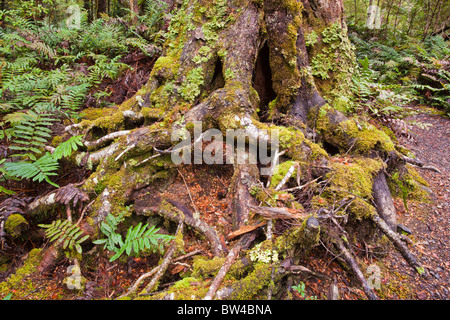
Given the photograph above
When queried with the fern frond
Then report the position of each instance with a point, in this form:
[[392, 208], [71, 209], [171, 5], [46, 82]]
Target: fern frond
[[39, 170], [66, 148], [138, 238], [65, 233], [30, 131]]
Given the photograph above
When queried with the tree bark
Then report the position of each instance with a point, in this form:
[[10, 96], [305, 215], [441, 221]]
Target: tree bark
[[383, 201], [235, 65]]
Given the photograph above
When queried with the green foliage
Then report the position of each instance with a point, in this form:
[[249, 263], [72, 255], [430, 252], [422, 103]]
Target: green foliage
[[39, 170], [66, 148], [46, 72], [42, 168], [29, 132], [391, 77], [65, 233], [137, 239], [300, 288]]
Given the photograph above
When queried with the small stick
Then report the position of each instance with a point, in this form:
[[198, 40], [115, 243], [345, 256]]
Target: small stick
[[222, 272], [196, 214], [286, 177], [407, 255], [165, 264], [354, 265], [125, 151]]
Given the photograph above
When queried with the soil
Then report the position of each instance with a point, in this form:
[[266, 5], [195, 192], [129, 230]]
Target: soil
[[429, 222]]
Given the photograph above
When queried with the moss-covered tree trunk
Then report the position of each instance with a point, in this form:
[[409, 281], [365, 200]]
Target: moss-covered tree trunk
[[259, 66]]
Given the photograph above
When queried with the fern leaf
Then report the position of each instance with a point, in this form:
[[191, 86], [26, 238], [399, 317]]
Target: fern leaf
[[37, 171], [66, 148]]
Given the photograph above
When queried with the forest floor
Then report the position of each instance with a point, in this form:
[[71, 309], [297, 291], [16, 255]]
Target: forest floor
[[208, 185], [428, 221]]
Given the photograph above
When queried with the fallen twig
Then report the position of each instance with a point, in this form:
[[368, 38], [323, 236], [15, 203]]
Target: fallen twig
[[165, 264], [399, 245], [222, 272], [278, 213], [354, 265]]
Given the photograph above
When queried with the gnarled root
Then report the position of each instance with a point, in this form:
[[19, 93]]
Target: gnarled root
[[175, 214]]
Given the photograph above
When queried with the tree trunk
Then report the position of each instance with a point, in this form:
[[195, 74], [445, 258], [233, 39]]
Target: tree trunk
[[102, 6], [262, 67]]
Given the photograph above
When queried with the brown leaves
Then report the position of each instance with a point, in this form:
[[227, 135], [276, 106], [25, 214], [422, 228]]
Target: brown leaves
[[12, 205], [70, 193]]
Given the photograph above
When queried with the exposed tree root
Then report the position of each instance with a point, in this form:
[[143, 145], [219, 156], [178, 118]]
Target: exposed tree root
[[166, 261], [222, 272], [383, 201], [354, 265], [175, 214], [399, 245]]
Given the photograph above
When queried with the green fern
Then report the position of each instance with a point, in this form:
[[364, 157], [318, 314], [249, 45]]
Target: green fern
[[137, 239], [39, 170], [30, 132], [66, 148], [65, 233]]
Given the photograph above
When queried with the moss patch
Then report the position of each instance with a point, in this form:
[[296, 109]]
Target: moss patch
[[16, 225], [21, 282], [349, 179], [354, 134]]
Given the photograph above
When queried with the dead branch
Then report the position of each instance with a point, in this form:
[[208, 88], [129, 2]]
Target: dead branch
[[354, 266], [420, 164], [383, 200], [222, 272], [278, 213], [176, 215], [167, 260], [399, 245]]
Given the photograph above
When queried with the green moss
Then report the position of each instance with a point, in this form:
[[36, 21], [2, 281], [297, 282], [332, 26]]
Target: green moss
[[332, 60], [311, 38], [191, 87], [21, 281], [165, 67], [297, 146], [207, 268], [16, 225], [352, 178], [280, 171], [188, 288], [358, 135], [296, 238], [408, 184], [249, 287], [96, 113]]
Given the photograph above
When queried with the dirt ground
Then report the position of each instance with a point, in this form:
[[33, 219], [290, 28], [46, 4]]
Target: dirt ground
[[429, 222]]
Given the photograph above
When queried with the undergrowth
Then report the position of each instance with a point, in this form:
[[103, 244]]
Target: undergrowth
[[47, 70], [392, 76]]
